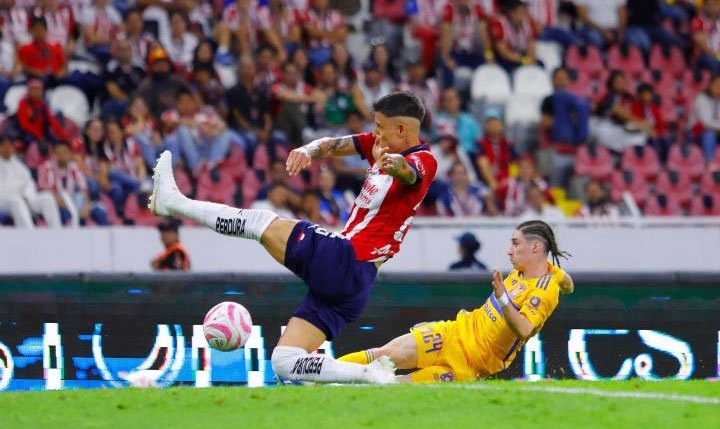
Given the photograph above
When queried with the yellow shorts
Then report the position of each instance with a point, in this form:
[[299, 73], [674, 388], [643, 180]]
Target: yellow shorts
[[441, 356]]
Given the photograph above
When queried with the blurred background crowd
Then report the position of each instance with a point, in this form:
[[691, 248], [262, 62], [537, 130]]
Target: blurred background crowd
[[535, 109]]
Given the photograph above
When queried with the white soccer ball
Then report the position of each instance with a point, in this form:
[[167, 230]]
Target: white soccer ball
[[227, 326]]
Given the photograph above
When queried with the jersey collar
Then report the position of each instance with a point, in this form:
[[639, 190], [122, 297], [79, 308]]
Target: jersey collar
[[416, 148]]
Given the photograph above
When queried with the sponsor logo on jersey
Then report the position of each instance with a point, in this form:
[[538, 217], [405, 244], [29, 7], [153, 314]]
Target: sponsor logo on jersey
[[308, 365]]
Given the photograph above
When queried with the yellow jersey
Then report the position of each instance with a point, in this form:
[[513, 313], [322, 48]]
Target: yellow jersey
[[489, 343]]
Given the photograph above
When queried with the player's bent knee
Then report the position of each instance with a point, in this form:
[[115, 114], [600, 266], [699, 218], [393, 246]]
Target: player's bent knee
[[283, 360]]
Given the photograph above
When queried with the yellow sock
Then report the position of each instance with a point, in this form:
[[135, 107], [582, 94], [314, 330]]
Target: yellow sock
[[363, 357]]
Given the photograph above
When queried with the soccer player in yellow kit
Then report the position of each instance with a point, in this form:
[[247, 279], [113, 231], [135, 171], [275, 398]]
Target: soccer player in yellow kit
[[486, 340]]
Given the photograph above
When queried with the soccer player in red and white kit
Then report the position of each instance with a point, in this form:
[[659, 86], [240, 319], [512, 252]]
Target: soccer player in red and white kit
[[339, 269]]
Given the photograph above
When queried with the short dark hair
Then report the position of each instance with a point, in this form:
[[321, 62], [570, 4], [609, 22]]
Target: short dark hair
[[400, 104], [35, 20]]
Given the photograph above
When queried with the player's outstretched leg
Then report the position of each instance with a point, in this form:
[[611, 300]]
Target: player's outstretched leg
[[260, 225], [402, 351]]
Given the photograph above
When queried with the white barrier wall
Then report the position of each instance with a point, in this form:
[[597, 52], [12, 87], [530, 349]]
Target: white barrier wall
[[658, 246]]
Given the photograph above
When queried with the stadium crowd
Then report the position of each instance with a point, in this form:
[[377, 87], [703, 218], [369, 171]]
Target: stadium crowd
[[94, 90]]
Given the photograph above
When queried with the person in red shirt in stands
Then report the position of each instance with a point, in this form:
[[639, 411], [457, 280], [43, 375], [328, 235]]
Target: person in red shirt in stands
[[36, 121], [40, 58], [514, 33], [495, 153], [646, 109]]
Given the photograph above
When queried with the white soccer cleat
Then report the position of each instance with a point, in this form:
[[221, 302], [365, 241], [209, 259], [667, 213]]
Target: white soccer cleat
[[165, 190], [381, 371]]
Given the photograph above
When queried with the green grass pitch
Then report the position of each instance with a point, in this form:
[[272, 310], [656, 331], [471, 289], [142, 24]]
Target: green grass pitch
[[490, 404]]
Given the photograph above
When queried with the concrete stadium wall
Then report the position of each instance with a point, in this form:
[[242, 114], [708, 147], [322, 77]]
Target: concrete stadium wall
[[637, 246]]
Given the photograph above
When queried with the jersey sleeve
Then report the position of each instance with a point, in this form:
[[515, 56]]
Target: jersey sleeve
[[363, 145], [424, 165], [541, 303]]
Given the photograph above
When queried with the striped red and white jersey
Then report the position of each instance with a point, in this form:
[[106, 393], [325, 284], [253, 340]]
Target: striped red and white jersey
[[233, 16], [464, 22], [60, 24], [385, 208], [15, 25], [283, 24], [517, 38], [54, 178], [105, 21], [329, 20], [544, 12]]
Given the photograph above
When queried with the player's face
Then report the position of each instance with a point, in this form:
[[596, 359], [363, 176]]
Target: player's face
[[389, 133], [520, 251]]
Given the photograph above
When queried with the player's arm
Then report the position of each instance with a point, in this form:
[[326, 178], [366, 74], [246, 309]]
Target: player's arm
[[395, 165], [518, 324], [300, 158], [566, 284]]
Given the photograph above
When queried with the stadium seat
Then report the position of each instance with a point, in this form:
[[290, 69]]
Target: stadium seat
[[71, 102], [675, 184], [582, 84], [665, 85], [641, 160], [705, 205], [688, 158], [490, 82], [669, 59], [550, 53], [113, 218], [250, 188], [710, 183], [662, 205], [140, 214], [595, 162], [522, 109], [261, 158], [13, 96], [622, 181], [669, 111], [628, 59], [84, 66], [236, 163], [532, 81], [585, 59], [184, 182], [222, 192], [694, 82]]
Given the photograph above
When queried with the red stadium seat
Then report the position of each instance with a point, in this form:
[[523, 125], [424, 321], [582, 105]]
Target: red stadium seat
[[250, 187], [595, 162], [585, 59], [222, 192], [582, 85], [622, 181], [675, 184], [140, 214], [662, 205], [235, 163], [642, 160], [687, 158], [629, 60], [705, 205], [710, 183], [184, 182], [113, 218], [665, 85], [694, 82], [668, 59]]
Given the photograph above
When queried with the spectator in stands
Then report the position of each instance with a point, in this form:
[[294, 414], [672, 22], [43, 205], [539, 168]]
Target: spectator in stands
[[205, 83], [380, 55], [8, 70], [645, 109], [614, 125], [338, 104], [305, 69], [539, 208], [334, 208], [373, 86], [528, 177], [121, 168], [18, 195], [181, 44], [555, 20], [513, 34], [238, 27], [468, 129], [138, 39], [446, 153], [468, 247], [705, 118], [351, 170], [61, 176], [121, 78], [495, 153], [597, 202], [62, 31], [347, 75], [563, 127], [462, 198], [464, 37], [705, 36], [293, 99], [144, 130], [39, 58], [277, 201], [310, 207], [161, 87], [248, 107], [644, 25], [424, 21], [36, 122], [268, 72], [15, 23], [324, 27], [175, 257], [604, 21], [101, 24], [280, 25], [424, 87]]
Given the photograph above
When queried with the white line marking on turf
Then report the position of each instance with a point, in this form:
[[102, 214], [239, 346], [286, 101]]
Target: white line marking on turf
[[592, 392]]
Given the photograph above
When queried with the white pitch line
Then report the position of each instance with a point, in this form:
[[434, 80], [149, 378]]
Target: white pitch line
[[593, 392]]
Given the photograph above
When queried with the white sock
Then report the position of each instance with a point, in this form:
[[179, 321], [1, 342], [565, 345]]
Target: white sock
[[294, 363], [244, 223]]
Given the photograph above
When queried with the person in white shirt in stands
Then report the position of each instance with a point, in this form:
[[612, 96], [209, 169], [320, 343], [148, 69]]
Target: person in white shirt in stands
[[539, 208], [19, 196], [604, 21]]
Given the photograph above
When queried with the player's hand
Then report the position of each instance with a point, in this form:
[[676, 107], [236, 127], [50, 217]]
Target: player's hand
[[391, 163], [298, 160], [497, 283]]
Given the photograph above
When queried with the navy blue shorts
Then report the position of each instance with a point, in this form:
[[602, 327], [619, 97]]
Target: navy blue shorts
[[338, 284]]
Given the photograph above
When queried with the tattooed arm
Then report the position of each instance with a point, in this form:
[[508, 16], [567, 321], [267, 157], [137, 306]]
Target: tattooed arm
[[300, 158]]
